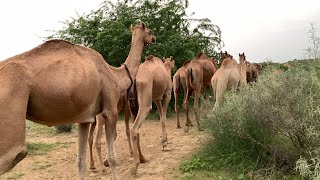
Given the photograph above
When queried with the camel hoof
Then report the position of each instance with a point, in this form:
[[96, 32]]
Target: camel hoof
[[92, 167], [143, 160], [178, 127], [131, 154], [164, 143], [200, 129], [133, 170], [186, 129], [104, 171], [106, 163]]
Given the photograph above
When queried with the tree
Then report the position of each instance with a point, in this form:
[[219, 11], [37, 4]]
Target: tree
[[178, 34], [313, 50]]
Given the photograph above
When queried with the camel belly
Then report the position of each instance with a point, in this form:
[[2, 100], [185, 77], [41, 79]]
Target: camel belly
[[64, 99]]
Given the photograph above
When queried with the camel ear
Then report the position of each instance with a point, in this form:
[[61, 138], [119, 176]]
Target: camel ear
[[131, 28], [172, 63], [150, 57], [171, 58], [143, 25]]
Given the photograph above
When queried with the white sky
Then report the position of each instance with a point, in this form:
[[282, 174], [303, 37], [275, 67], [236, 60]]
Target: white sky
[[265, 30]]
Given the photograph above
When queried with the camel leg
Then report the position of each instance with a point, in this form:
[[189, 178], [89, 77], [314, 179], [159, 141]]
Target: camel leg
[[142, 114], [90, 142], [196, 108], [163, 123], [144, 90], [186, 109], [101, 123], [205, 102], [83, 130], [176, 83], [126, 120], [111, 118], [13, 105], [176, 108]]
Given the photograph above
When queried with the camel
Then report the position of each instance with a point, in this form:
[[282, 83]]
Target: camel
[[179, 80], [122, 105], [153, 83], [252, 73], [60, 83], [199, 73], [230, 75], [258, 67]]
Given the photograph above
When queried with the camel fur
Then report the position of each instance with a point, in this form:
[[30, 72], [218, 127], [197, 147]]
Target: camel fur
[[60, 83], [122, 105], [230, 75], [252, 73], [153, 83], [199, 73], [179, 80]]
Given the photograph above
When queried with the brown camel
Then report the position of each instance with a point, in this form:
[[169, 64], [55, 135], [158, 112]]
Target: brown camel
[[258, 67], [122, 105], [252, 73], [199, 73], [230, 75], [60, 83], [179, 80], [153, 83]]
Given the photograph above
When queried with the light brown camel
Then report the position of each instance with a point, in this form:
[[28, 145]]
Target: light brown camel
[[153, 83], [179, 80], [230, 75], [60, 83], [122, 105], [199, 73]]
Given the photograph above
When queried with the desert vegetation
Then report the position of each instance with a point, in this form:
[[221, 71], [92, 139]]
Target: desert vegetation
[[270, 130]]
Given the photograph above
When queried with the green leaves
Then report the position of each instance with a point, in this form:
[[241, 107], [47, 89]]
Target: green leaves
[[107, 30]]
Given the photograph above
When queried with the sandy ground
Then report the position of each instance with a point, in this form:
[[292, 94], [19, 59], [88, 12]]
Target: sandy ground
[[60, 163]]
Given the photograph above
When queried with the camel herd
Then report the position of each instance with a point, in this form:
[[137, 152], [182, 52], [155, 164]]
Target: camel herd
[[60, 83]]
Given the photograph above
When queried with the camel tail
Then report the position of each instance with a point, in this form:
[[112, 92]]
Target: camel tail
[[133, 100], [176, 83], [191, 77], [219, 88]]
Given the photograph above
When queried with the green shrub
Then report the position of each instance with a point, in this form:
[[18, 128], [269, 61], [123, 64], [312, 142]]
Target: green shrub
[[64, 128], [267, 127]]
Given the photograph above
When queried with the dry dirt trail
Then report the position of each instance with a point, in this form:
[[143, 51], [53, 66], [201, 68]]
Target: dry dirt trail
[[60, 163]]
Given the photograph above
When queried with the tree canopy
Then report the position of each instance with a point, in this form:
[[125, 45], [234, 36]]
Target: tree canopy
[[107, 30]]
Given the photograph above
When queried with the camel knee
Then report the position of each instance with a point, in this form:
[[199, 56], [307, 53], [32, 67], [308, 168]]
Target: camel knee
[[10, 160], [98, 146], [134, 135], [110, 161]]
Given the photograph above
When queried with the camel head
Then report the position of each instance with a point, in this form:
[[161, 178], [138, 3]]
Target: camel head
[[225, 55], [144, 33], [242, 58], [169, 64]]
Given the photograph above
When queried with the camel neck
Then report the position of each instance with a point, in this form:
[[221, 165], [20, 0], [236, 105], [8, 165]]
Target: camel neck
[[168, 70], [132, 62]]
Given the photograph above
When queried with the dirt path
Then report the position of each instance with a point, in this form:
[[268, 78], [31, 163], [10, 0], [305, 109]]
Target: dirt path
[[60, 163]]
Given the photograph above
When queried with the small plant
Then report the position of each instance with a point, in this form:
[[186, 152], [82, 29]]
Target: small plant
[[313, 50], [39, 148], [64, 128]]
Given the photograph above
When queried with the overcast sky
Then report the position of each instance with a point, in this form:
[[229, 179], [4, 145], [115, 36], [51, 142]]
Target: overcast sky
[[265, 30]]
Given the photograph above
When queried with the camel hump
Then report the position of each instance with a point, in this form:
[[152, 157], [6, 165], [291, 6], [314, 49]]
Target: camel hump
[[186, 63], [201, 55]]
